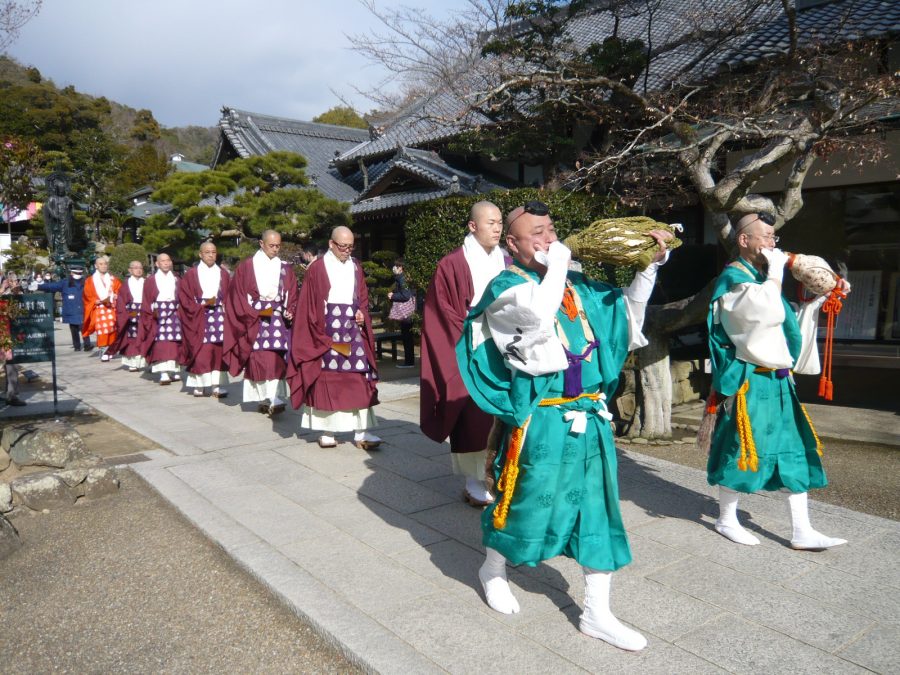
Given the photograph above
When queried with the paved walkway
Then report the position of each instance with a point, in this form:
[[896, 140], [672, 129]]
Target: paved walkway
[[379, 553]]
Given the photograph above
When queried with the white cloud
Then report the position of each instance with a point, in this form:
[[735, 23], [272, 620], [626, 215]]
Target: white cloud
[[184, 59]]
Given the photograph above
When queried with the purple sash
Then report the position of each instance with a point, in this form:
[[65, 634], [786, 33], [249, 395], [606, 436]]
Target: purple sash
[[572, 378], [168, 326], [131, 328], [342, 327]]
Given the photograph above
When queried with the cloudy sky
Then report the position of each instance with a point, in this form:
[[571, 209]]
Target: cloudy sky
[[185, 59]]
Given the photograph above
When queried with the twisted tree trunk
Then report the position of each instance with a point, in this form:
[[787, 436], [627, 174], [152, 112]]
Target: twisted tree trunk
[[653, 413]]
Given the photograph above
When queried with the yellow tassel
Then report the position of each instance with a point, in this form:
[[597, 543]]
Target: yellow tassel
[[748, 458], [507, 481], [819, 445]]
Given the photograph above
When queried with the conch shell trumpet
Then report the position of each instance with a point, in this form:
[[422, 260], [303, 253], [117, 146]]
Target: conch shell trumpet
[[813, 272]]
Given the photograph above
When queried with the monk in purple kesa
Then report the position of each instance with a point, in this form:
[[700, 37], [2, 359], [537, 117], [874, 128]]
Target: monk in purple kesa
[[446, 408], [259, 313], [201, 307], [128, 312], [333, 373], [159, 333]]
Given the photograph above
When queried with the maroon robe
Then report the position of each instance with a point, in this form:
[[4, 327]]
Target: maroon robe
[[150, 348], [124, 344], [311, 384], [242, 325], [445, 407], [198, 357]]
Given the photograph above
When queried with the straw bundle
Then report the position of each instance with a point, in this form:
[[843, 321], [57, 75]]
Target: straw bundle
[[624, 242]]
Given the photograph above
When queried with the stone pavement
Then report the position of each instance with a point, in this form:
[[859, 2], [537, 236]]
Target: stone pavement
[[377, 551]]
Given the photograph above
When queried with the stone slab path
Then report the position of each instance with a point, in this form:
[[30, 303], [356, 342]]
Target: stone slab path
[[377, 550]]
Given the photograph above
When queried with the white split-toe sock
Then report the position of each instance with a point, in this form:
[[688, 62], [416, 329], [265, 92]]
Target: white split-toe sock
[[164, 377], [727, 525], [477, 490], [804, 537], [492, 575], [359, 436], [598, 621]]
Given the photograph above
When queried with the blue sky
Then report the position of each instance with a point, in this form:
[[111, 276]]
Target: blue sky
[[185, 59]]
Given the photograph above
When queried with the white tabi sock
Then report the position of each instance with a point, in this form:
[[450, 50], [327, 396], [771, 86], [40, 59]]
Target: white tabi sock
[[804, 537], [727, 525], [164, 377], [365, 436], [277, 401], [477, 490], [598, 621], [492, 575]]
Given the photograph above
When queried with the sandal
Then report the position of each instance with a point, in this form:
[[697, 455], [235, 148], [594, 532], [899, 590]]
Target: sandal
[[326, 445], [472, 501], [367, 445]]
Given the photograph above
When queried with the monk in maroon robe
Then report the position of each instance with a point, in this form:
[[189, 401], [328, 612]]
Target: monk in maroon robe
[[201, 308], [159, 333], [445, 406], [128, 310], [259, 313], [333, 371]]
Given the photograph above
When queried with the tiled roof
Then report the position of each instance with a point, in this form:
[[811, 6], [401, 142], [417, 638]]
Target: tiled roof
[[428, 166], [431, 119], [256, 134], [854, 20], [442, 115], [396, 201], [444, 180]]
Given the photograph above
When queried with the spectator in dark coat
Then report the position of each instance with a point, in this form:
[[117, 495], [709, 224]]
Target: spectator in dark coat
[[402, 306], [71, 289]]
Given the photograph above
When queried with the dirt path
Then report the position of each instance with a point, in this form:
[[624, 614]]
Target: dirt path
[[126, 584]]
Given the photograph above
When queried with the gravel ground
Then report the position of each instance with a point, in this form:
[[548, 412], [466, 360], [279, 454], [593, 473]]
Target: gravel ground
[[125, 584], [861, 476]]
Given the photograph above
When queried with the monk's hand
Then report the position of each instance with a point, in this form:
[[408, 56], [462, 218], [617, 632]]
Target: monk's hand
[[360, 319], [287, 316], [341, 348], [843, 286], [661, 237]]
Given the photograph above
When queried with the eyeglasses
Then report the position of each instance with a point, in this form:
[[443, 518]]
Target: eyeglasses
[[534, 207], [769, 237], [343, 248]]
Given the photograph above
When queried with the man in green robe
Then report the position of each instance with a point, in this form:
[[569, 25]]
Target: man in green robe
[[540, 352], [763, 438]]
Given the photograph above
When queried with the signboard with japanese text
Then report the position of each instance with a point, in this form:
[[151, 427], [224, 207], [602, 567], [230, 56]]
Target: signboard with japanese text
[[33, 329]]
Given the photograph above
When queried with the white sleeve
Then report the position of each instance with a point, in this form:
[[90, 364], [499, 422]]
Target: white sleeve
[[808, 318], [751, 315], [525, 337], [636, 296]]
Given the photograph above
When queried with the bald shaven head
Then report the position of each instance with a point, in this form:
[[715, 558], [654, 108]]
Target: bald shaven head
[[341, 243], [270, 243], [486, 224]]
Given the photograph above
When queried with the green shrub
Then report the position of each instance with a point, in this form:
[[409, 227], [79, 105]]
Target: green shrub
[[122, 255]]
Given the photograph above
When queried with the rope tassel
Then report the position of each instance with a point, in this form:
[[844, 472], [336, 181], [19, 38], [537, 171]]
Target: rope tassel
[[510, 473], [748, 458], [832, 308]]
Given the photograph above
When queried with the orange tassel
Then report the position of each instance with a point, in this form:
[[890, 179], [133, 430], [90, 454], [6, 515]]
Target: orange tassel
[[832, 308], [712, 403], [568, 304]]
